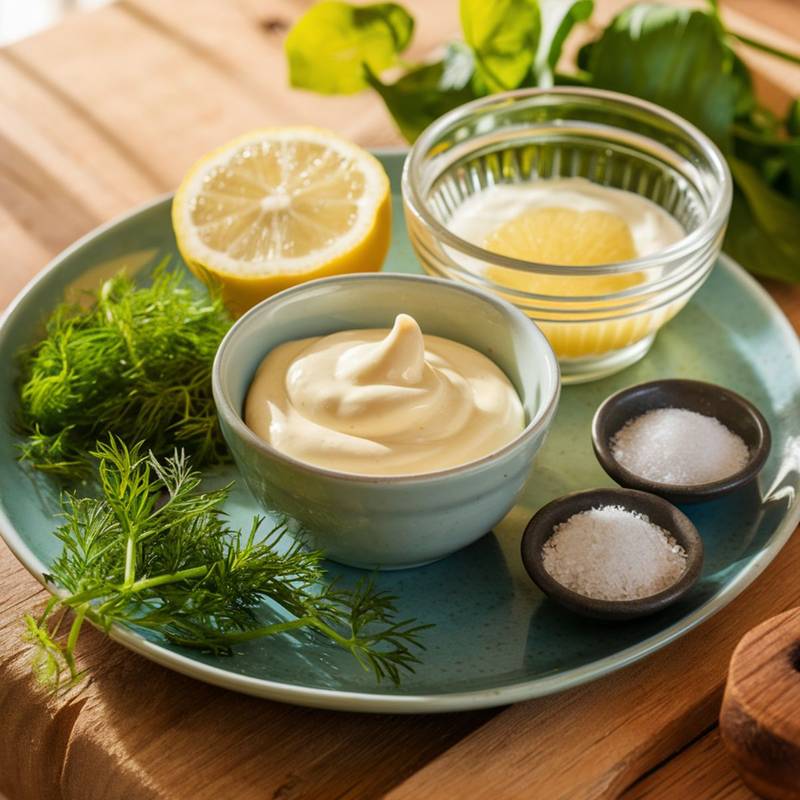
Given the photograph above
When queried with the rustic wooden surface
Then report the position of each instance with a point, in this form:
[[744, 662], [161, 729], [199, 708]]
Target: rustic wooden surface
[[106, 111]]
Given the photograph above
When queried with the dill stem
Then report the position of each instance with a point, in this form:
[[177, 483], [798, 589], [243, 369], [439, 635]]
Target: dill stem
[[130, 562], [57, 627], [48, 609], [283, 627], [76, 628], [76, 600], [148, 583], [160, 580], [266, 630], [72, 639], [350, 644], [333, 634]]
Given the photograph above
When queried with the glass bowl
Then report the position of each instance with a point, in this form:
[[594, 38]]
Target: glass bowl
[[609, 317]]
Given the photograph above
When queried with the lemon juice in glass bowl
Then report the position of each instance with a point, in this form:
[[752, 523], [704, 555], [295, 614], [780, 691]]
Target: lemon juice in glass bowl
[[597, 214]]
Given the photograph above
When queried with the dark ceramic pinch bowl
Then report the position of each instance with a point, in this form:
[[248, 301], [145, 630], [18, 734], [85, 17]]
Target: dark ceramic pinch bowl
[[659, 511], [732, 410]]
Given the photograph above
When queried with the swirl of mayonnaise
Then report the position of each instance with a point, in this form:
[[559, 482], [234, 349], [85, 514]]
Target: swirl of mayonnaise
[[378, 402]]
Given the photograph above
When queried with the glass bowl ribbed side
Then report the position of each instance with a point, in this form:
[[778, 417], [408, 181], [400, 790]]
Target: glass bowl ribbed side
[[598, 318]]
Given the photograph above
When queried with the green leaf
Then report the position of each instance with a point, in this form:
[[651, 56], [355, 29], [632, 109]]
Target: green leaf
[[773, 154], [793, 118], [792, 166], [745, 96], [558, 17], [503, 35], [425, 93], [584, 56], [332, 43], [763, 231], [675, 57]]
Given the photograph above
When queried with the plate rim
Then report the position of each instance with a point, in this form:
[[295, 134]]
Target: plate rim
[[375, 702]]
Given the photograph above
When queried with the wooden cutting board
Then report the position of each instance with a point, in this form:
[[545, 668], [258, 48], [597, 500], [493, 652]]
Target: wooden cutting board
[[108, 110]]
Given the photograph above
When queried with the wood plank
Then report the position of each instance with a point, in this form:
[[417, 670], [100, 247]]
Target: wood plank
[[159, 110], [774, 80], [702, 770], [136, 730], [259, 61], [193, 86], [28, 256], [597, 740]]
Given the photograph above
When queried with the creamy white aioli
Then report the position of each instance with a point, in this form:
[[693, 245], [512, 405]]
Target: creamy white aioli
[[651, 227], [380, 402]]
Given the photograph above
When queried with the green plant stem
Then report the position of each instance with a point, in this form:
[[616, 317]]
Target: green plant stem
[[258, 633], [348, 643], [765, 48], [72, 639], [759, 138], [48, 609], [161, 580], [130, 562]]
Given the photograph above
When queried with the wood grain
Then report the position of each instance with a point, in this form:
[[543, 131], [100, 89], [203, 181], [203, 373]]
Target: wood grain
[[102, 113], [760, 717], [702, 770], [135, 730]]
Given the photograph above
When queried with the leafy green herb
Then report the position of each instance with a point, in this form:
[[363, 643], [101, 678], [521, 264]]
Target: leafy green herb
[[673, 56], [763, 230], [135, 362], [502, 36], [155, 552], [683, 59], [333, 44], [428, 91]]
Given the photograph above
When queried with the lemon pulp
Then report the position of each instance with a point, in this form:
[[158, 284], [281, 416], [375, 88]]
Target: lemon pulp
[[568, 237], [281, 206], [564, 237]]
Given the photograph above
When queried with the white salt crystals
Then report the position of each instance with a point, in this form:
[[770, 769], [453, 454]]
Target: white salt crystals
[[610, 553], [677, 446]]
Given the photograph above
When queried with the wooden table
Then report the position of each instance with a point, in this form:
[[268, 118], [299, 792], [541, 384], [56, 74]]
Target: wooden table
[[105, 112]]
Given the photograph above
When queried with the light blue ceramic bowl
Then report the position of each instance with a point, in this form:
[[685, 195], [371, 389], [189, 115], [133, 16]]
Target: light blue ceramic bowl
[[398, 521]]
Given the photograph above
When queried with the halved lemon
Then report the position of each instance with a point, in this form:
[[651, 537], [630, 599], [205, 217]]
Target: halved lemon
[[563, 236], [280, 206]]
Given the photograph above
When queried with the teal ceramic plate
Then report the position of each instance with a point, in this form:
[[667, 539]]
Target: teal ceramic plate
[[496, 638]]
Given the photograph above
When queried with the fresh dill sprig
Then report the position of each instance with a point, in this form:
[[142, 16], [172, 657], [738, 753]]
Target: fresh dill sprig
[[136, 362], [155, 552]]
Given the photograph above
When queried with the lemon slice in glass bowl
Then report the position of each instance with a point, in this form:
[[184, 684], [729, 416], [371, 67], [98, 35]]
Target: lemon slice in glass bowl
[[564, 237], [280, 206]]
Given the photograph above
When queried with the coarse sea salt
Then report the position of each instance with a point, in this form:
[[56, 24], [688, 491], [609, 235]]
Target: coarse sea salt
[[610, 553], [678, 446]]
